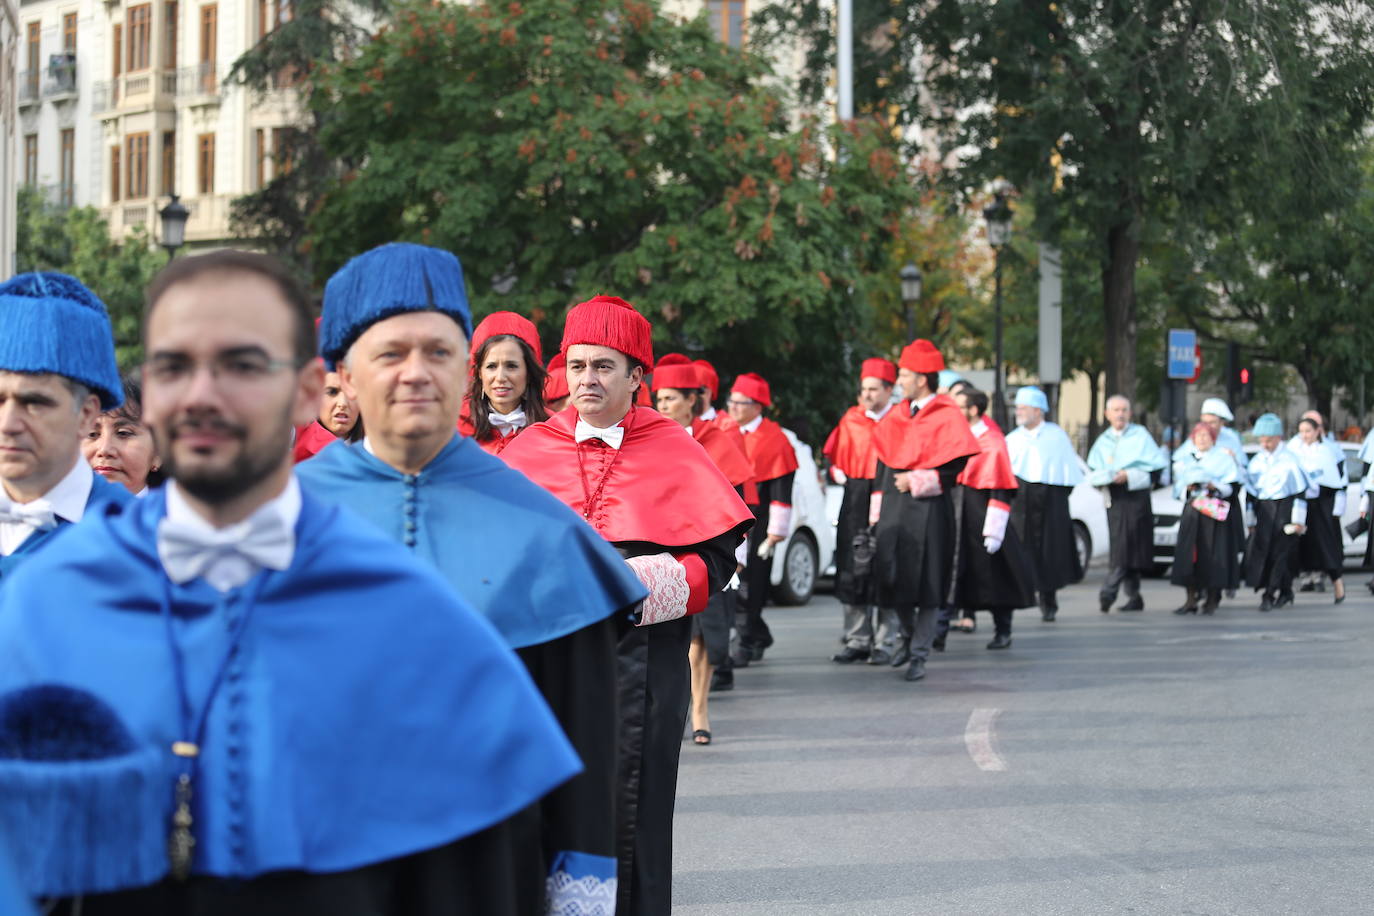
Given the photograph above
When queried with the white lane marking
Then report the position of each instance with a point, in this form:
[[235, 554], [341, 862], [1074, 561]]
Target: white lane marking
[[979, 741]]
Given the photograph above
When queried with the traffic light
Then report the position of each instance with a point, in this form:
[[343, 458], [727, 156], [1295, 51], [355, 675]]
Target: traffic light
[[1245, 392], [1240, 377]]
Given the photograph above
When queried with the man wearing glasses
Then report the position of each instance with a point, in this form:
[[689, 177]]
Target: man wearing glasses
[[231, 697], [775, 462], [57, 373]]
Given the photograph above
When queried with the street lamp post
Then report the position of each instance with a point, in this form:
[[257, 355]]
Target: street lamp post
[[174, 217], [911, 295], [998, 216]]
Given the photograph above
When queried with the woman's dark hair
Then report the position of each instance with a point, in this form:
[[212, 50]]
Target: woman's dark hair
[[699, 405], [132, 410], [532, 403], [1310, 422]]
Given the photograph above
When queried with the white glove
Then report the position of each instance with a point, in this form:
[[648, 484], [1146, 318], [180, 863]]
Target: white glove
[[837, 475], [992, 545]]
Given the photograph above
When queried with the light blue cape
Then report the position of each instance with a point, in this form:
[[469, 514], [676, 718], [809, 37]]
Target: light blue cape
[[1276, 475], [1047, 457], [1134, 450]]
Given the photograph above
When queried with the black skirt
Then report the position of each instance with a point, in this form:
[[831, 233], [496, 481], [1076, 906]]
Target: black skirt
[[1206, 555], [1320, 548], [1040, 514], [985, 581], [1268, 563]]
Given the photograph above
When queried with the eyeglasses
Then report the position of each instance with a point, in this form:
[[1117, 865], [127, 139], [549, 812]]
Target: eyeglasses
[[736, 402], [233, 368]]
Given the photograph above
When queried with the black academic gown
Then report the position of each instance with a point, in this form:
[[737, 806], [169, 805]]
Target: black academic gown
[[851, 587], [462, 877], [1130, 520], [655, 692], [758, 571], [1206, 555], [986, 581], [1040, 515], [1320, 548], [914, 565], [1268, 560]]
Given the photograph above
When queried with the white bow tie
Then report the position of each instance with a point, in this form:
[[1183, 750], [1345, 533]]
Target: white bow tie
[[38, 515], [611, 435], [188, 551], [502, 422]]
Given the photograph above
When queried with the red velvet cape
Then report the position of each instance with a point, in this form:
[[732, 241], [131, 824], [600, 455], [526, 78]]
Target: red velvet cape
[[990, 469], [770, 450], [309, 440], [934, 437], [663, 487], [850, 446], [726, 450]]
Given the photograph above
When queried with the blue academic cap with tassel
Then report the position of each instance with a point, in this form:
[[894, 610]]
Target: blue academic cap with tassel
[[392, 279], [50, 322]]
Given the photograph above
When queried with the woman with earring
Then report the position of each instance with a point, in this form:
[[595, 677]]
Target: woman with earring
[[338, 419], [120, 448], [506, 391]]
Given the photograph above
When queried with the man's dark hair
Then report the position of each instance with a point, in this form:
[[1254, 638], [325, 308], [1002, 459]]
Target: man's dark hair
[[231, 260], [932, 381], [976, 399]]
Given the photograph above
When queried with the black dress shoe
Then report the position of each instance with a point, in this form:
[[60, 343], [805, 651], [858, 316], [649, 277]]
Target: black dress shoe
[[1048, 616], [1266, 603], [938, 644], [901, 656], [1105, 604], [1135, 604], [756, 653], [740, 658], [879, 657], [1308, 586], [1284, 598], [1000, 641], [1187, 609], [916, 671], [722, 681], [849, 655]]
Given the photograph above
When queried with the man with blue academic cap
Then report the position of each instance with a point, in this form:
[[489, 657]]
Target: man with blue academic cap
[[396, 325], [233, 698], [1276, 513], [57, 374], [1047, 470], [1126, 463]]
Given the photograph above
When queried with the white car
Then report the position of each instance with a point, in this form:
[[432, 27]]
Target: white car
[[1087, 509], [810, 545], [1168, 510]]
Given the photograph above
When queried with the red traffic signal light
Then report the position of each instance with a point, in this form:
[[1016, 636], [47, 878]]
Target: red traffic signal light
[[1245, 376]]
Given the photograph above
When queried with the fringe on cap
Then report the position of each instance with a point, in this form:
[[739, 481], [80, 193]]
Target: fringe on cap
[[51, 322], [609, 321]]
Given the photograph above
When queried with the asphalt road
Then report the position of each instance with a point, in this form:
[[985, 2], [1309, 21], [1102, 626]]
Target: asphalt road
[[1122, 763]]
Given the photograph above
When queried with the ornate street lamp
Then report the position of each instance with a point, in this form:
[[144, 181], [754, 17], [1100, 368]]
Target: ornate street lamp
[[911, 295], [174, 217], [998, 215]]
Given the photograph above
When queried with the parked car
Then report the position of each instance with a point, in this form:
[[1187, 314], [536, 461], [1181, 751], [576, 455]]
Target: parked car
[[1168, 510], [810, 545], [1087, 509]]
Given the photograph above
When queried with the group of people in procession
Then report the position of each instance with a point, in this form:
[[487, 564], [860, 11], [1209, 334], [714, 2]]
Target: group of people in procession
[[378, 612]]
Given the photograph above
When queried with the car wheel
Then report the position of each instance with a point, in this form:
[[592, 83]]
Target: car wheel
[[798, 571], [1083, 543]]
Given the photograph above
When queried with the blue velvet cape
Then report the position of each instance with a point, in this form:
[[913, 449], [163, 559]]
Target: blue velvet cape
[[368, 714], [103, 493], [518, 554]]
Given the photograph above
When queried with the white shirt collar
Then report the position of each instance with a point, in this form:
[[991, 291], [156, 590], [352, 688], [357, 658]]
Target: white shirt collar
[[752, 424], [979, 428], [611, 435], [709, 413], [67, 499], [878, 415], [507, 424], [229, 570]]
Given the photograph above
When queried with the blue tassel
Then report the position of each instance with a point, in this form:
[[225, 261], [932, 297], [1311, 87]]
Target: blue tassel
[[390, 280], [90, 810], [50, 322]]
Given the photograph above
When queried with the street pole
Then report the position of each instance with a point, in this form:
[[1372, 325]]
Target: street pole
[[845, 61], [999, 400]]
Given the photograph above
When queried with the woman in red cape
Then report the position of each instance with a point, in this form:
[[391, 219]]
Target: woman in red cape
[[506, 390]]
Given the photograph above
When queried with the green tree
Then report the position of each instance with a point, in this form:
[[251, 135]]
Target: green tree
[[568, 147], [77, 241], [312, 33]]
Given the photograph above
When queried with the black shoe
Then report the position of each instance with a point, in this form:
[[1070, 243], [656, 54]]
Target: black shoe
[[1208, 610], [938, 645], [740, 658], [1187, 609], [1285, 598], [1104, 604], [901, 656], [1001, 641], [722, 681], [1308, 586], [849, 655], [916, 671], [1135, 604], [756, 653], [879, 657], [1266, 603], [1048, 616]]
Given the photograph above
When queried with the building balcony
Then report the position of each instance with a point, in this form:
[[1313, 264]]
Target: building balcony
[[197, 84], [60, 85]]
